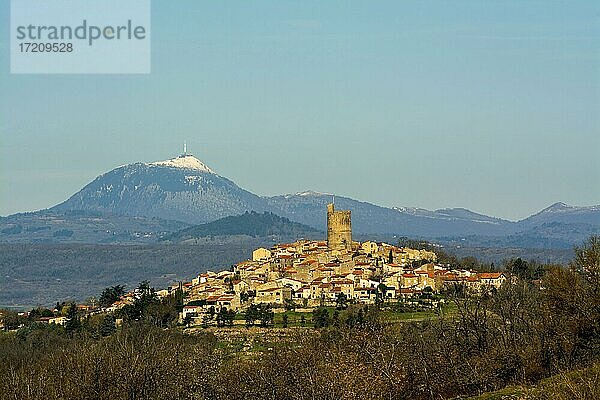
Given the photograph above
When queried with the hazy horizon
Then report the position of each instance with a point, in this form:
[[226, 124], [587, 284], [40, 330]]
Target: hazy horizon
[[493, 107]]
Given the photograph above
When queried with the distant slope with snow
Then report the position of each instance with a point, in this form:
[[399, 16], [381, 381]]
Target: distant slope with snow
[[310, 208], [182, 189], [564, 213]]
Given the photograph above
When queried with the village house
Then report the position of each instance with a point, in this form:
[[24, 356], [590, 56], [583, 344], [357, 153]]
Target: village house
[[276, 295], [493, 279]]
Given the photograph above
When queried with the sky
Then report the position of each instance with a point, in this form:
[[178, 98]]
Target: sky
[[489, 105]]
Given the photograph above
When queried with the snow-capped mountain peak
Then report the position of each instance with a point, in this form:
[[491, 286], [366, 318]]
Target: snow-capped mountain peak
[[559, 207], [185, 161], [566, 208], [311, 193]]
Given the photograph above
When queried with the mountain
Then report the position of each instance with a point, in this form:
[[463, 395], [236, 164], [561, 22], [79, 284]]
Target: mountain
[[143, 202], [248, 224], [186, 189], [558, 226], [309, 208], [464, 215], [181, 189], [563, 213]]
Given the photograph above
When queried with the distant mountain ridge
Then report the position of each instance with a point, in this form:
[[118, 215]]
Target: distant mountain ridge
[[563, 213], [186, 190], [309, 207]]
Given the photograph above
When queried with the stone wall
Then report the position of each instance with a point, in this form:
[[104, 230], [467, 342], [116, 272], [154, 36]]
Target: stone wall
[[339, 228]]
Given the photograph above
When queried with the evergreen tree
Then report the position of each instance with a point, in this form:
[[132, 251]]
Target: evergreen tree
[[321, 317], [108, 327], [251, 315], [73, 324], [284, 319], [266, 315], [225, 317], [341, 301], [110, 295]]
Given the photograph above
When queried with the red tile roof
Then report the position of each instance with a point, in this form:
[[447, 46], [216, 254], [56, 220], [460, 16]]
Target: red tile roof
[[490, 275]]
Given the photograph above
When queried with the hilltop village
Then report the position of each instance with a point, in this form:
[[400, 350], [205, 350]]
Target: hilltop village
[[306, 275], [310, 274]]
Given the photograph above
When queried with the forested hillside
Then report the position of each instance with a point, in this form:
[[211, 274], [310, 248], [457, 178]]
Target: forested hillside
[[250, 224]]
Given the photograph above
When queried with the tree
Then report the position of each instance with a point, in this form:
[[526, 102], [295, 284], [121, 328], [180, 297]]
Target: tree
[[290, 305], [148, 308], [284, 320], [469, 262], [321, 317], [108, 327], [225, 317], [526, 270], [110, 295], [13, 320], [229, 283], [73, 324], [251, 315], [341, 301], [162, 313], [39, 312], [244, 297], [587, 262], [381, 291], [179, 296], [230, 317], [266, 315], [206, 319], [222, 317], [354, 317]]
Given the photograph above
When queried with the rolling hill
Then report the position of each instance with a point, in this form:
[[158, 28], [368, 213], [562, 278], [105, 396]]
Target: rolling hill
[[248, 224]]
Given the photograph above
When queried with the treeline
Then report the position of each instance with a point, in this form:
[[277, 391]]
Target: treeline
[[521, 333], [147, 308]]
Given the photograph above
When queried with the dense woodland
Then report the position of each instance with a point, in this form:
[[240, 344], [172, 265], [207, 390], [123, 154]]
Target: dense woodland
[[545, 324]]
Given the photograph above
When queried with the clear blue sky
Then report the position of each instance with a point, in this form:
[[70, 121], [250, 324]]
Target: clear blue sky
[[489, 105]]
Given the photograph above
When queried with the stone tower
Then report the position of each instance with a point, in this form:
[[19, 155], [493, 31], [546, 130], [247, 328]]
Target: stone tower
[[339, 229]]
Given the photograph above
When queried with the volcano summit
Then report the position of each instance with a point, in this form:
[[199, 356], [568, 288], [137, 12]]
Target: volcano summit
[[182, 188]]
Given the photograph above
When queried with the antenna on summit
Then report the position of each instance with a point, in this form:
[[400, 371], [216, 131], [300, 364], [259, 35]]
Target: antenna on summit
[[184, 148]]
